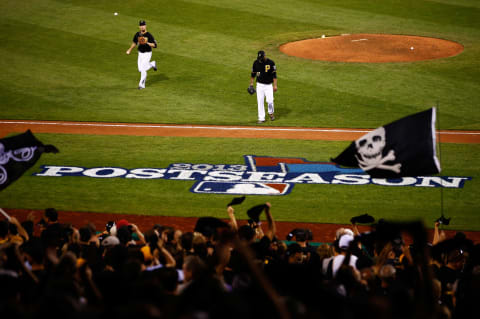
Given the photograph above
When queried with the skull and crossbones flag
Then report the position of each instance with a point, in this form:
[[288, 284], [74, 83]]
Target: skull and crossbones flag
[[405, 147], [17, 154]]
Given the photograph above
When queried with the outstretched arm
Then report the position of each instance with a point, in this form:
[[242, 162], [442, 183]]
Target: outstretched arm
[[131, 47], [272, 228], [233, 220], [141, 238], [169, 260]]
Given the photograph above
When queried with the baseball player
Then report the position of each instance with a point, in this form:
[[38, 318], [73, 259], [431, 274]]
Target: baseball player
[[145, 42], [265, 71]]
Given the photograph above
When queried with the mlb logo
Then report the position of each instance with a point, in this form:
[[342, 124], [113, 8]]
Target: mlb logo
[[242, 188]]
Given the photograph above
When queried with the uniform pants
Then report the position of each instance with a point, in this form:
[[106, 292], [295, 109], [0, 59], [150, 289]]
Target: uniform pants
[[264, 91], [144, 65]]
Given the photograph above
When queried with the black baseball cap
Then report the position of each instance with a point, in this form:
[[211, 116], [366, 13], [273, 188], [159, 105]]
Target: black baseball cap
[[260, 54], [142, 22], [255, 211]]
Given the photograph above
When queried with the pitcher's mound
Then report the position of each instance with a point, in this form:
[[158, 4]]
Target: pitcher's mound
[[372, 48]]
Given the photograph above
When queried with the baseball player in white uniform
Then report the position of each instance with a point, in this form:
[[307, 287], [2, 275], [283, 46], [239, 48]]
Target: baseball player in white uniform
[[145, 42], [266, 73]]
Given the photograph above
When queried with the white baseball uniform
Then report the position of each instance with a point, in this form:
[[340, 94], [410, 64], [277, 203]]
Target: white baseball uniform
[[144, 65], [265, 71], [264, 91], [144, 56]]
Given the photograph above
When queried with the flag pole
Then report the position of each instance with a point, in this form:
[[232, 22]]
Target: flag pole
[[440, 159], [5, 214]]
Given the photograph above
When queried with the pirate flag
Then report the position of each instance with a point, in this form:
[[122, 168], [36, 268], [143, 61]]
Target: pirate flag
[[405, 147], [17, 154]]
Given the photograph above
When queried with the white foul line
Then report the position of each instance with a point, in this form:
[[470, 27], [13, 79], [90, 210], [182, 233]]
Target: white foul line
[[359, 40], [224, 128], [220, 128]]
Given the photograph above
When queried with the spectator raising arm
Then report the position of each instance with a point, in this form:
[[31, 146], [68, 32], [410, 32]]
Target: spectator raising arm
[[233, 220], [272, 228], [141, 238]]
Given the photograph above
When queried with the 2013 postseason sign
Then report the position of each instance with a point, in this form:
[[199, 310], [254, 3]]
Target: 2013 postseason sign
[[261, 175]]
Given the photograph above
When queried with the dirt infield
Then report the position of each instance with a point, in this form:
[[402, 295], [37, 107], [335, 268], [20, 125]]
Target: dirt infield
[[321, 232], [372, 48]]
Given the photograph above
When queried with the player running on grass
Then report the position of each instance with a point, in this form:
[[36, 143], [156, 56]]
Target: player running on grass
[[265, 71], [146, 42]]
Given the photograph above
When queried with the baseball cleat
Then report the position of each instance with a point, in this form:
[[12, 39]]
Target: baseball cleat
[[154, 66], [261, 122], [140, 88], [272, 117]]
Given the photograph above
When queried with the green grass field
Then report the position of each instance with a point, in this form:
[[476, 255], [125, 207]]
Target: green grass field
[[65, 60]]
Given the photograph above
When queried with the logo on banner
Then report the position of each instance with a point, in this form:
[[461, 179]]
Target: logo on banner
[[261, 175]]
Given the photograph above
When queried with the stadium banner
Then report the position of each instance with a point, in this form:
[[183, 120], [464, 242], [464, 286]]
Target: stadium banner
[[261, 175]]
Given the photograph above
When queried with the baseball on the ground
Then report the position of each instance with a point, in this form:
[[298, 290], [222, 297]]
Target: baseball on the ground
[[116, 13], [411, 48]]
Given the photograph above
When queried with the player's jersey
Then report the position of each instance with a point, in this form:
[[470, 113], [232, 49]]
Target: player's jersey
[[144, 47], [265, 71]]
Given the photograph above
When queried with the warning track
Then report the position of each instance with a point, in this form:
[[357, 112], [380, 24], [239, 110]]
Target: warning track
[[137, 129]]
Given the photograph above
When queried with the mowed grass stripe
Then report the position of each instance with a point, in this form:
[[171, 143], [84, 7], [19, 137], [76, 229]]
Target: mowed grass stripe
[[205, 61]]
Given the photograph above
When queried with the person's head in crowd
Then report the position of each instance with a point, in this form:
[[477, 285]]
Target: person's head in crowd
[[177, 235], [300, 235], [13, 233], [343, 231], [109, 225], [193, 268], [456, 259], [186, 241], [246, 233], [115, 257], [169, 279], [28, 225], [110, 241], [364, 265], [122, 222], [67, 265], [85, 234], [199, 245], [387, 274], [344, 242], [148, 258], [295, 254], [151, 237], [51, 215], [34, 252], [210, 227], [124, 234], [324, 251]]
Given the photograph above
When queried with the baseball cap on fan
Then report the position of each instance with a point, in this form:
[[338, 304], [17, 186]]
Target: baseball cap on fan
[[142, 22], [345, 241], [260, 55]]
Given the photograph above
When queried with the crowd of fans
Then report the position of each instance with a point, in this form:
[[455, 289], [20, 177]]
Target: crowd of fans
[[52, 269]]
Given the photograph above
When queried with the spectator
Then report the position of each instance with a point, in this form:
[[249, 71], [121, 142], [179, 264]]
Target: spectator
[[238, 278], [331, 265]]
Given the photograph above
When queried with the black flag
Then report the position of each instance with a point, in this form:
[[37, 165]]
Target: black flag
[[17, 154], [405, 147]]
